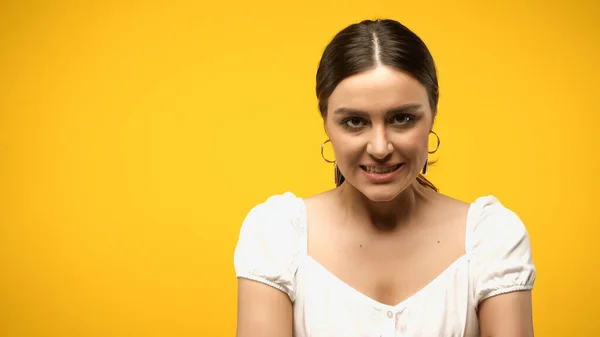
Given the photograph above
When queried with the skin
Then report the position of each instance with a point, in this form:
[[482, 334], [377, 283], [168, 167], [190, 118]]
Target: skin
[[381, 117], [377, 134]]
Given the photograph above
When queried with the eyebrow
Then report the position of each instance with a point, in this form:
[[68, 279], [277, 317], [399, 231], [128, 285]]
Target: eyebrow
[[406, 108]]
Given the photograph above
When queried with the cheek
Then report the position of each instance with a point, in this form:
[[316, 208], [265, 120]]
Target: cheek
[[348, 150], [411, 145]]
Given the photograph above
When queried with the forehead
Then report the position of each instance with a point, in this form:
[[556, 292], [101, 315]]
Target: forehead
[[378, 89]]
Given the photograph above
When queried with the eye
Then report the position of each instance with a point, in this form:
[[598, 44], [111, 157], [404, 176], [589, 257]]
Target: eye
[[403, 119], [353, 123]]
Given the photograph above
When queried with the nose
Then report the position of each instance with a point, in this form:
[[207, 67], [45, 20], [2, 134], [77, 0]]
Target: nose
[[379, 145]]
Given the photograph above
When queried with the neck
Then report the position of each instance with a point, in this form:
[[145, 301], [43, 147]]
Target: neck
[[388, 215]]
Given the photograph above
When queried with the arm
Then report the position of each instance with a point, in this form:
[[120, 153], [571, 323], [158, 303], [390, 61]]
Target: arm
[[263, 311], [504, 272], [265, 259], [506, 315]]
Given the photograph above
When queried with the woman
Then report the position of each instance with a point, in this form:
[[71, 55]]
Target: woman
[[382, 254]]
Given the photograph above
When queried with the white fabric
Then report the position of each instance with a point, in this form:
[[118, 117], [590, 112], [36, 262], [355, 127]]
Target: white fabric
[[272, 249]]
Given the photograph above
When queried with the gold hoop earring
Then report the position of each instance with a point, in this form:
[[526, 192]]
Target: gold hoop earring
[[323, 155], [438, 143], [339, 178]]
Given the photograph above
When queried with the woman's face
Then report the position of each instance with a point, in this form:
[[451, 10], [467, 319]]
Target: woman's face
[[379, 122]]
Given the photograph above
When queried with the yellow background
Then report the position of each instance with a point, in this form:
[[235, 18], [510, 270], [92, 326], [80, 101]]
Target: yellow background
[[135, 136]]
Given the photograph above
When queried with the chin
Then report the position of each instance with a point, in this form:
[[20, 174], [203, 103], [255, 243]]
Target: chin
[[380, 193]]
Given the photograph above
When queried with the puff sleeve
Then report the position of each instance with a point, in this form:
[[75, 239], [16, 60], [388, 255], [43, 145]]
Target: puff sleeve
[[500, 250], [271, 242]]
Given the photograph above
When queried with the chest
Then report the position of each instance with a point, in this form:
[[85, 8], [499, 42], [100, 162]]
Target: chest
[[388, 267], [326, 306]]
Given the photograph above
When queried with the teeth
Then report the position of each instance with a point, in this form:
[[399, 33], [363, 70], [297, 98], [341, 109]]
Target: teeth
[[376, 169]]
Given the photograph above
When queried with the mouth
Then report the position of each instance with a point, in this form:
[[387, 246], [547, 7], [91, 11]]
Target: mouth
[[380, 169]]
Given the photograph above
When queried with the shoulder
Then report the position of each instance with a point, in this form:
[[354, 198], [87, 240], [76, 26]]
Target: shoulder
[[285, 206], [499, 247], [490, 222], [272, 239], [450, 206], [278, 217], [320, 201]]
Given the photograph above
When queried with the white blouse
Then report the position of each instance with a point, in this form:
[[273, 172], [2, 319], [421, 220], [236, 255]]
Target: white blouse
[[272, 249]]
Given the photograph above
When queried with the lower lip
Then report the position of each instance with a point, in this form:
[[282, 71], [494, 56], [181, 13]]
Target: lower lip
[[382, 177]]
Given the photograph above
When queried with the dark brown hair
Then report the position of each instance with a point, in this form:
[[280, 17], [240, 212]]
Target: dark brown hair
[[363, 45]]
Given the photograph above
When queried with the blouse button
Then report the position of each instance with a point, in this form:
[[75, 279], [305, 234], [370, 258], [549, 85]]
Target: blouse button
[[390, 314]]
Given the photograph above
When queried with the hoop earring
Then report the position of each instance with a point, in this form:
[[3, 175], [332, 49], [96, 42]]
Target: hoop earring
[[323, 155], [337, 175], [426, 166], [438, 143]]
